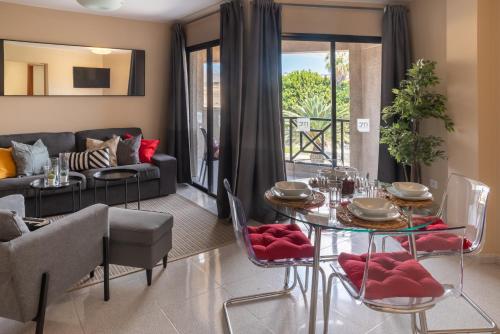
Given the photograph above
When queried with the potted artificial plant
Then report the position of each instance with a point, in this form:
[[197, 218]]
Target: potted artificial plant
[[415, 101]]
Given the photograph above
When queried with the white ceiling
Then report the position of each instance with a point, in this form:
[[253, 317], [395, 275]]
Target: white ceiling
[[150, 10], [168, 10]]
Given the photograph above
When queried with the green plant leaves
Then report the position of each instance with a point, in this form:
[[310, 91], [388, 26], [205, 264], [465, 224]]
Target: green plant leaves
[[414, 101]]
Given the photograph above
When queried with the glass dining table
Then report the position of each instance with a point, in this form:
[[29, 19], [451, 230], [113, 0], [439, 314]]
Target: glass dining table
[[324, 218]]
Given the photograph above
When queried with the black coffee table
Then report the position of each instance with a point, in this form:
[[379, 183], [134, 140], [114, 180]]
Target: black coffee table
[[40, 187], [118, 174]]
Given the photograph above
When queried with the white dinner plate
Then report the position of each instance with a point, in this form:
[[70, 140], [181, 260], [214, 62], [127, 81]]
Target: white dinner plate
[[357, 213], [305, 195], [393, 191]]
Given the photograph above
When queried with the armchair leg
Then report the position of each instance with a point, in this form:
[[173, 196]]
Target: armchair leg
[[42, 304], [149, 275], [105, 261], [165, 258]]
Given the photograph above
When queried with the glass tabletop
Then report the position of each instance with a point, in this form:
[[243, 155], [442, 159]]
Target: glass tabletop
[[40, 184], [325, 217]]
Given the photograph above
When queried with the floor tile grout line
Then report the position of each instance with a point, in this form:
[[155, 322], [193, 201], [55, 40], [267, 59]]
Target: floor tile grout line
[[73, 303]]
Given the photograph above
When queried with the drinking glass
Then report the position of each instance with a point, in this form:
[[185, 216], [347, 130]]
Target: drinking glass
[[53, 177], [373, 189], [46, 169], [64, 168], [335, 192]]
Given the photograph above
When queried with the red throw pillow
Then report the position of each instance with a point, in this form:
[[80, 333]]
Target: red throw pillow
[[147, 149]]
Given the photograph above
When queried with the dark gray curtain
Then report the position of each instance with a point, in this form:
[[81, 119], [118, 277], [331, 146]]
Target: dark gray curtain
[[231, 77], [177, 122], [261, 159], [396, 59], [1, 67], [136, 77]]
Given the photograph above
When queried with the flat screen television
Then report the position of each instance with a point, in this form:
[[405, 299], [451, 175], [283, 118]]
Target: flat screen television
[[91, 77]]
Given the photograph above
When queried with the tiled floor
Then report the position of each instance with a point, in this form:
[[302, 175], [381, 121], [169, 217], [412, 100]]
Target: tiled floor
[[188, 296]]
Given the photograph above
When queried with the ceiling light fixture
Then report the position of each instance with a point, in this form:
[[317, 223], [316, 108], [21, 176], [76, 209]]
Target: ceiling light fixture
[[101, 5], [100, 51]]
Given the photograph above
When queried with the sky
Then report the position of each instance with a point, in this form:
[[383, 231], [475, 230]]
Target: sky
[[304, 61]]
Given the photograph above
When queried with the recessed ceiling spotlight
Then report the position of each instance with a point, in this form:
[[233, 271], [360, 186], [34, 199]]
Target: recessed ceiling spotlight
[[101, 5]]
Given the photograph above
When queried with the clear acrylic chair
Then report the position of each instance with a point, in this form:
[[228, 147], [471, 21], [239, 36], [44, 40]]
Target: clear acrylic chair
[[243, 240], [395, 280], [464, 203]]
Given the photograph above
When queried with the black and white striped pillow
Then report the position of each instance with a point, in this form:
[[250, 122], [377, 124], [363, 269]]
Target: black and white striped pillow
[[89, 159]]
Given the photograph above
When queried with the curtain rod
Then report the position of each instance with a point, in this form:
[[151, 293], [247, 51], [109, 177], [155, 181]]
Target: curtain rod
[[296, 5], [331, 6]]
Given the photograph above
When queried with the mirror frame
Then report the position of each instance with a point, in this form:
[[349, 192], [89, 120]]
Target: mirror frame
[[141, 69]]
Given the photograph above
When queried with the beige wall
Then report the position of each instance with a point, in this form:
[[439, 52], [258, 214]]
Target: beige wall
[[15, 78], [331, 21], [299, 20], [203, 30], [463, 37], [60, 64], [119, 64], [28, 114]]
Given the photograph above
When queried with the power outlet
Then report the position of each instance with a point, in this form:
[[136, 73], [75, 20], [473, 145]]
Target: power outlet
[[433, 183]]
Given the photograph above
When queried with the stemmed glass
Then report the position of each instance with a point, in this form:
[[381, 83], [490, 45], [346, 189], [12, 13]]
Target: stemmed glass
[[335, 192]]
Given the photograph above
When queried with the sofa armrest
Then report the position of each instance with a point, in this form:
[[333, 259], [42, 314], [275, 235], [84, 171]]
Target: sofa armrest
[[168, 172], [67, 249], [13, 203]]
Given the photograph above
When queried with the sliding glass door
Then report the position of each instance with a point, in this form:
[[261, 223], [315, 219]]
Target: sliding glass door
[[331, 102], [204, 120]]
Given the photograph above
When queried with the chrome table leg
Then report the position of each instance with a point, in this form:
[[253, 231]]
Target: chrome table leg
[[315, 277]]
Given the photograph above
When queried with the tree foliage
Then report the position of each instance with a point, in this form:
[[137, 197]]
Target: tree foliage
[[415, 101], [302, 85]]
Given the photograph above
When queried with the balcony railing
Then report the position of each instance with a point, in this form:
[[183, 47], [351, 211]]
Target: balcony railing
[[315, 140]]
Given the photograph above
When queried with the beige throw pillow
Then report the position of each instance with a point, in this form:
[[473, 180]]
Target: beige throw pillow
[[111, 144]]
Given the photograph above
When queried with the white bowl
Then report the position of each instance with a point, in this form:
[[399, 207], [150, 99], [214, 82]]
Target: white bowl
[[410, 188], [292, 188], [373, 206]]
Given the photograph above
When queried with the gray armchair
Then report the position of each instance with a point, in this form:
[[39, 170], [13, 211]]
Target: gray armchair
[[38, 266]]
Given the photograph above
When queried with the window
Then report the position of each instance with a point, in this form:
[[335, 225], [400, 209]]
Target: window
[[204, 117], [331, 105]]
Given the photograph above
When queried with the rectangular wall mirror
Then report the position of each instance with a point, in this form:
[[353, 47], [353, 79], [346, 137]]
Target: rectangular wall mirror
[[39, 69]]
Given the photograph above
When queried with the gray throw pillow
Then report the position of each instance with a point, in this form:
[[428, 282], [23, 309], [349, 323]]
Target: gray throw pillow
[[128, 151], [30, 159], [11, 225]]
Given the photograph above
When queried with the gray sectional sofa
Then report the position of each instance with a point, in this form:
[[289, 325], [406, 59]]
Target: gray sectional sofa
[[156, 179]]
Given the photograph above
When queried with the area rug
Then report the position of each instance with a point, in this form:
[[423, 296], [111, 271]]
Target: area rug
[[196, 230]]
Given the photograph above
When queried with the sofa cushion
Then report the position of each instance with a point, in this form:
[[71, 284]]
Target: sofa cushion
[[21, 185], [279, 241], [7, 164], [111, 144], [138, 227], [146, 172], [127, 152], [30, 159], [101, 134], [11, 225], [79, 161], [390, 275], [57, 142]]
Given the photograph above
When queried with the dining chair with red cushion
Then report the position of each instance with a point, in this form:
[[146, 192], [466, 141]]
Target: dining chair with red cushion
[[396, 280], [269, 246]]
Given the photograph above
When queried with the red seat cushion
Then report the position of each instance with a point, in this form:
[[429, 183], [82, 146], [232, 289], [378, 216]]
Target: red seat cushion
[[390, 275], [434, 242], [147, 149], [279, 241]]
